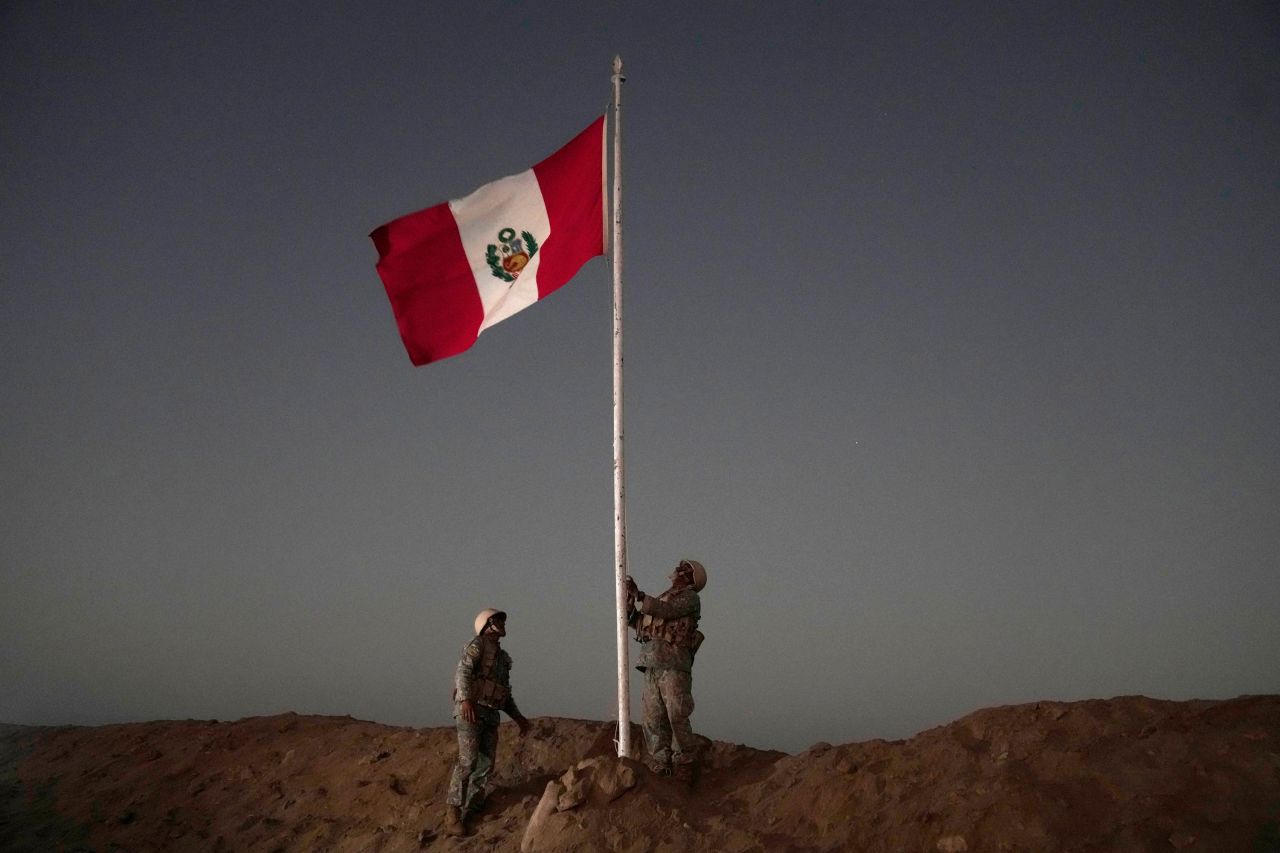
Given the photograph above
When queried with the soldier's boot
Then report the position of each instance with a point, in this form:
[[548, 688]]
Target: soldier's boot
[[454, 824], [686, 773], [694, 760], [657, 768]]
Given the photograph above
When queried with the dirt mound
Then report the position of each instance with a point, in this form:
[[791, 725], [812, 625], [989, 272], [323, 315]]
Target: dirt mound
[[1120, 774]]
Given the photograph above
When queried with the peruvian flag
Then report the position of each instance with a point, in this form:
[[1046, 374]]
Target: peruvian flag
[[453, 270]]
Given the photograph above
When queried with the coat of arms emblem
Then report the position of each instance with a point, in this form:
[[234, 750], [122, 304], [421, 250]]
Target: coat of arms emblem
[[511, 254]]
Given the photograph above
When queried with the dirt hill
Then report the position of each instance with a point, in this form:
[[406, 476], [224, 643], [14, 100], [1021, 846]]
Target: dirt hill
[[1121, 774]]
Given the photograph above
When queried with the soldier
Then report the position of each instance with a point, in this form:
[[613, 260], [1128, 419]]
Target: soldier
[[481, 688], [667, 628]]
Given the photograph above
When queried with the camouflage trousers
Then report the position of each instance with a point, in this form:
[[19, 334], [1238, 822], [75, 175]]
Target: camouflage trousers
[[477, 753], [667, 704]]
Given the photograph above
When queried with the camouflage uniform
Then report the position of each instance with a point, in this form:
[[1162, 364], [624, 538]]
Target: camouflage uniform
[[484, 677], [668, 669]]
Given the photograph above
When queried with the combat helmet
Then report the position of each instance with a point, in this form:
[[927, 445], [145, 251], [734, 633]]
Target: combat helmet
[[483, 617], [699, 573]]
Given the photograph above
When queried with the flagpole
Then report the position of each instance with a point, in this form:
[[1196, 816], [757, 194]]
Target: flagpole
[[619, 487]]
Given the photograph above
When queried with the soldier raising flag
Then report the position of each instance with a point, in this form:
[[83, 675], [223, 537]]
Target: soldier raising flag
[[667, 628]]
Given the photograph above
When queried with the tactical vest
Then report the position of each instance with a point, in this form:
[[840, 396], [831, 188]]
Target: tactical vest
[[485, 688], [682, 632]]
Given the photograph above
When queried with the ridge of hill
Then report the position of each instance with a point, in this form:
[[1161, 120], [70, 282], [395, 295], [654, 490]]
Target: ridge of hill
[[1128, 773]]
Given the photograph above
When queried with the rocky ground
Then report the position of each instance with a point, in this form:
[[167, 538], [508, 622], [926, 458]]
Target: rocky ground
[[1120, 774]]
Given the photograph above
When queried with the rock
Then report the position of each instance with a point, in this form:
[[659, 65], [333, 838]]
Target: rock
[[572, 796], [545, 808], [952, 844], [602, 780], [615, 780]]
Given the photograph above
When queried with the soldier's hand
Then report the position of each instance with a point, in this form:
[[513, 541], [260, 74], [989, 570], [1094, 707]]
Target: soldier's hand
[[524, 725], [468, 711]]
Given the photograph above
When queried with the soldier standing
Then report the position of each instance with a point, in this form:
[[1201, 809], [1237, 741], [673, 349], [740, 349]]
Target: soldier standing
[[481, 688], [667, 628]]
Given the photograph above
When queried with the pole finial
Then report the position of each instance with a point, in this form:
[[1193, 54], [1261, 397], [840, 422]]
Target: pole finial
[[617, 64]]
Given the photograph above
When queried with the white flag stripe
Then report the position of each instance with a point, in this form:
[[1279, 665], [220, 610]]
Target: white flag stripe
[[513, 202]]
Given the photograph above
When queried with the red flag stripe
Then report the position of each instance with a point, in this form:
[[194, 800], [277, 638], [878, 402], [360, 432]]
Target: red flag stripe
[[429, 282], [576, 217]]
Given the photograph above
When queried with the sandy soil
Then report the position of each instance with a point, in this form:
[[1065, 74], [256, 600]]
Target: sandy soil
[[1129, 773]]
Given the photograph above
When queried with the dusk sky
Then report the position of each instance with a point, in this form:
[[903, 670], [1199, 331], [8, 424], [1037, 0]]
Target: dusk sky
[[952, 351]]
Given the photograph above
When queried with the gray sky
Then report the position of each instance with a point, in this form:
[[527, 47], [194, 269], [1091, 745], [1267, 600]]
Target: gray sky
[[952, 352]]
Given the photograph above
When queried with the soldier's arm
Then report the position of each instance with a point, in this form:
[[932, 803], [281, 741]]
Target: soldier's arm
[[514, 713], [466, 670], [633, 595], [683, 603], [510, 705]]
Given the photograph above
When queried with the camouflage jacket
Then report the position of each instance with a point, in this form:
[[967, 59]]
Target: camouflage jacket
[[660, 654], [484, 676]]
